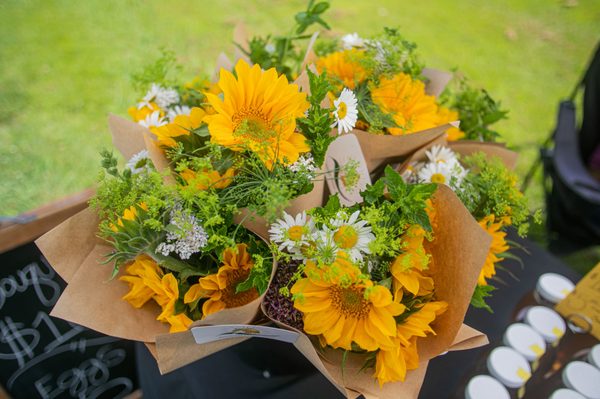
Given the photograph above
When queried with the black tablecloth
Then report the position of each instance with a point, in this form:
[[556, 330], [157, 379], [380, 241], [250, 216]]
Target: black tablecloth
[[267, 369]]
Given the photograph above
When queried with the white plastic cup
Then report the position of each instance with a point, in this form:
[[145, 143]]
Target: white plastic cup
[[553, 287]]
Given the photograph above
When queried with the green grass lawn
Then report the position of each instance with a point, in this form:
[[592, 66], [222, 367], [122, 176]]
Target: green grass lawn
[[64, 65]]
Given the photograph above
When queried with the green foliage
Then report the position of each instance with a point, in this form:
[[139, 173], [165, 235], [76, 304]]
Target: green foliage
[[490, 188], [316, 126], [370, 112], [283, 52], [478, 298], [156, 72], [325, 46], [477, 110], [259, 275], [389, 53]]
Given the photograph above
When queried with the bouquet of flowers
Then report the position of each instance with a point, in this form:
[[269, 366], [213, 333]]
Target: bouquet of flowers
[[480, 174], [371, 283], [172, 220]]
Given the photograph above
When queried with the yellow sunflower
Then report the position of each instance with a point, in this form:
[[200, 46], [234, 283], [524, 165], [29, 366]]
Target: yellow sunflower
[[407, 268], [220, 288], [446, 115], [258, 112], [405, 99], [128, 214], [344, 66], [346, 309], [181, 126], [208, 178], [498, 246], [393, 362]]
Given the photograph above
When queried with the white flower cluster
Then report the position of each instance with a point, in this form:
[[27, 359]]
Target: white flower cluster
[[442, 166], [139, 163], [305, 165], [164, 97], [352, 40], [303, 240], [185, 235]]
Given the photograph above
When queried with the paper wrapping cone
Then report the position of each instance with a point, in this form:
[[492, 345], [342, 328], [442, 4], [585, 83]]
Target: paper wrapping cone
[[458, 250], [380, 150]]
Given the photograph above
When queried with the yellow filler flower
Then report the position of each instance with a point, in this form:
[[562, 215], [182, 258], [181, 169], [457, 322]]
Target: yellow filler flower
[[258, 113], [342, 308], [182, 125], [220, 288], [405, 99]]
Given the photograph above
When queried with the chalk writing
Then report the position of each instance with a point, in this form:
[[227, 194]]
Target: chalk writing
[[34, 276]]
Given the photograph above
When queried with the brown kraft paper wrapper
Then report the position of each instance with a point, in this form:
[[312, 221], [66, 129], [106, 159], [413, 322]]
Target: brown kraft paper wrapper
[[459, 248]]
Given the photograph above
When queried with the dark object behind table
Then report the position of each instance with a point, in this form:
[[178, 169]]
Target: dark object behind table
[[45, 357], [573, 197]]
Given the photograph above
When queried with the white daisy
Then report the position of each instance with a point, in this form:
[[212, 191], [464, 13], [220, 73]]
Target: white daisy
[[441, 154], [352, 235], [162, 96], [434, 172], [352, 40], [178, 110], [291, 233], [346, 111], [323, 247], [139, 162], [154, 119]]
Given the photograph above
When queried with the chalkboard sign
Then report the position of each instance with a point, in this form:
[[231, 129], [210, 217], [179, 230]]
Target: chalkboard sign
[[45, 357]]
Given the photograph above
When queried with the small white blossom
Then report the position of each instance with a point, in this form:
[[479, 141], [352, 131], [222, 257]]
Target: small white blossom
[[305, 164], [139, 162], [178, 110], [164, 97], [185, 236], [270, 48], [153, 119], [346, 111], [352, 40]]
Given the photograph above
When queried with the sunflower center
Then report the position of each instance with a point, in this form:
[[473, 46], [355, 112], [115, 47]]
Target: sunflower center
[[438, 178], [342, 110], [346, 237], [350, 301], [252, 124], [233, 299], [295, 233]]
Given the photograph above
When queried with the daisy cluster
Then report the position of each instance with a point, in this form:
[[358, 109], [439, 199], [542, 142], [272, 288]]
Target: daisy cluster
[[441, 166], [306, 241], [167, 101]]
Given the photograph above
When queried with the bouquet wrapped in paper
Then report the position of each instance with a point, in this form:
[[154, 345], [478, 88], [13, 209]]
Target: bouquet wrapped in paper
[[481, 176], [204, 161], [380, 287]]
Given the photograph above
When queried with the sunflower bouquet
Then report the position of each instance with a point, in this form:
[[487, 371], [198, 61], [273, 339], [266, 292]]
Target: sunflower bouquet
[[365, 281], [480, 176]]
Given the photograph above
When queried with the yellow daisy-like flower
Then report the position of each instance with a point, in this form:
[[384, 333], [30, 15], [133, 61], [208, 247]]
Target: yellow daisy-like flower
[[344, 66], [258, 112], [346, 309], [393, 362], [140, 274], [208, 178], [405, 99], [128, 214], [139, 114], [446, 115], [181, 126], [147, 281], [220, 288], [407, 268], [498, 246]]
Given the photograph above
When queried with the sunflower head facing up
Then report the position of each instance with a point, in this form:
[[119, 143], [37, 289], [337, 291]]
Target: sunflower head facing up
[[258, 113], [405, 99]]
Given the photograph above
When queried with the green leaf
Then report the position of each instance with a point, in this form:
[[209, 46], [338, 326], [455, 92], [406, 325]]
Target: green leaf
[[478, 298]]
